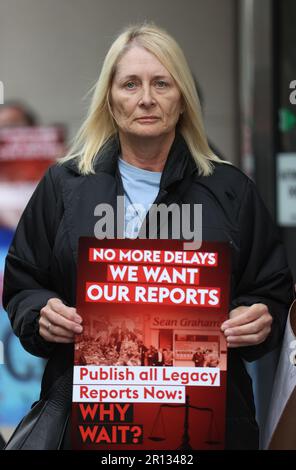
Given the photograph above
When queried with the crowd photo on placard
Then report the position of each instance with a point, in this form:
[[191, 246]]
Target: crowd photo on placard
[[123, 345]]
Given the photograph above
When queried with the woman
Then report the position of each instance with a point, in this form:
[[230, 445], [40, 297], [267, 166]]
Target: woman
[[143, 138]]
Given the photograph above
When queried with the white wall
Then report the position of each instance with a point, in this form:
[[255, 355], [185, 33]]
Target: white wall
[[51, 52]]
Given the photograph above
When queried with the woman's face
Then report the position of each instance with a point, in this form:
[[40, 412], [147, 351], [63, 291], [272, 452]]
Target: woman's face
[[145, 99]]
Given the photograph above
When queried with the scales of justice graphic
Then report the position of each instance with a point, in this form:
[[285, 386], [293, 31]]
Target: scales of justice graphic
[[158, 433]]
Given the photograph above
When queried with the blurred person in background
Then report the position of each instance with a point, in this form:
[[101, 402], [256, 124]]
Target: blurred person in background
[[16, 114], [26, 151]]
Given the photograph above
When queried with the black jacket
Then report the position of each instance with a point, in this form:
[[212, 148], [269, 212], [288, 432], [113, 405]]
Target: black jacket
[[41, 262]]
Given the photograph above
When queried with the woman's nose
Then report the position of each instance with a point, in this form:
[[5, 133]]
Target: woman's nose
[[147, 97]]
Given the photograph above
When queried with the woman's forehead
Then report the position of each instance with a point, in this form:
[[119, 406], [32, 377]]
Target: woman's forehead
[[137, 60]]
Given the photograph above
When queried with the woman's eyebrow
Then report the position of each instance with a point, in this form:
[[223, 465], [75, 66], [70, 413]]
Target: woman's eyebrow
[[129, 77], [161, 77], [135, 76]]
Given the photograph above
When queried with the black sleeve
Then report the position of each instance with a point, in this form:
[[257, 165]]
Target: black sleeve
[[264, 275], [27, 284]]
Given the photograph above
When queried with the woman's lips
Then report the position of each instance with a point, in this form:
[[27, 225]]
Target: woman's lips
[[148, 119]]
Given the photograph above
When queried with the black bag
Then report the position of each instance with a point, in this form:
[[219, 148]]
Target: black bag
[[44, 426]]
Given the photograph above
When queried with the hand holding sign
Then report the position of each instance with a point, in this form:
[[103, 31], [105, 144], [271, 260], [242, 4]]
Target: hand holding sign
[[247, 326], [59, 323]]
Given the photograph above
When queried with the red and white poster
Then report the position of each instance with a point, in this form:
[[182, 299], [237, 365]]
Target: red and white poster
[[150, 366], [25, 155]]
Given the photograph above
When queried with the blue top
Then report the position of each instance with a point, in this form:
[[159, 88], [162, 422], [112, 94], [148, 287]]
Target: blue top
[[141, 188]]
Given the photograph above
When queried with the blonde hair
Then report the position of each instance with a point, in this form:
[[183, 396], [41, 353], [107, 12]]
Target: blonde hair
[[99, 126]]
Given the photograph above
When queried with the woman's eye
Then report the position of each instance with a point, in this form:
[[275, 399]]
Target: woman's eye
[[161, 84], [130, 85]]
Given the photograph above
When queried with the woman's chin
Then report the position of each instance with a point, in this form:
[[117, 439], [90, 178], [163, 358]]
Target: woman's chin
[[147, 132]]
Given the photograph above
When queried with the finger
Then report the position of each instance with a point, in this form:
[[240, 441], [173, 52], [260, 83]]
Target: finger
[[59, 331], [248, 340], [250, 328], [49, 316], [69, 313], [54, 339], [249, 315]]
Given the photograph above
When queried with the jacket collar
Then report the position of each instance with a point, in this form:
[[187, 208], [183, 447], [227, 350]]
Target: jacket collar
[[179, 163]]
